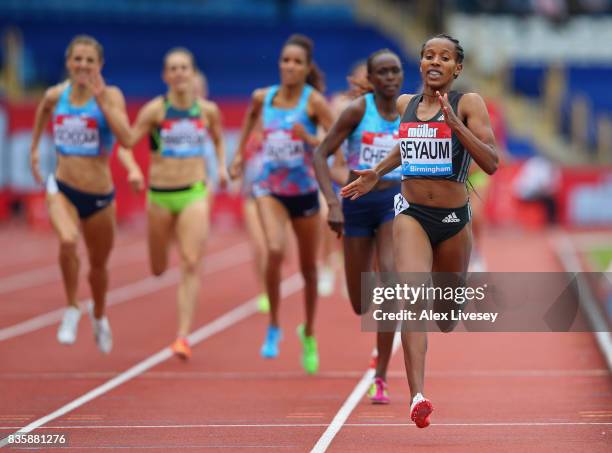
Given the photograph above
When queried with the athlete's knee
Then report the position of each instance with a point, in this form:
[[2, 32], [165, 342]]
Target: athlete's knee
[[99, 260], [386, 264], [274, 254], [96, 270], [190, 264], [158, 267], [68, 246], [309, 272]]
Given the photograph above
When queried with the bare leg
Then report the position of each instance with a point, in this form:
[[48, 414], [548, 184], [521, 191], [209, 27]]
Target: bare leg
[[308, 233], [274, 219], [255, 231], [191, 232], [384, 340], [159, 234], [99, 234], [65, 221], [413, 253]]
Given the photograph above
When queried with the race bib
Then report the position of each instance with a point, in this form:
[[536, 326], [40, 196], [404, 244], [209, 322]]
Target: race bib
[[400, 203], [78, 135], [283, 148], [426, 149], [184, 137], [375, 146]]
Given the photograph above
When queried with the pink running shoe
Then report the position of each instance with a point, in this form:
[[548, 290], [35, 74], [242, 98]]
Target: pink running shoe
[[420, 410], [378, 392]]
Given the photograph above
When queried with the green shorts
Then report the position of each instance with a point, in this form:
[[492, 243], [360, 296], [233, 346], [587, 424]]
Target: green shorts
[[175, 200]]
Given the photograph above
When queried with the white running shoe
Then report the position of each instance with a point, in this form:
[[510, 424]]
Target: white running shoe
[[326, 281], [102, 331], [67, 332]]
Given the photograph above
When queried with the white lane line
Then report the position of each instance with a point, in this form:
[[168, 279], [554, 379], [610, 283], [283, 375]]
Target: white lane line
[[331, 374], [571, 263], [351, 402], [309, 425], [51, 273], [216, 262], [289, 286]]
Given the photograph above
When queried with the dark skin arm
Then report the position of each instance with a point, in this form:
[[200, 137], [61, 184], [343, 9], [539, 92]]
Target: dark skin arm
[[476, 134], [347, 122], [368, 178]]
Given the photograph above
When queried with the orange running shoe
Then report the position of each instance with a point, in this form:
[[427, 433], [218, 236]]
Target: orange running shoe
[[181, 348]]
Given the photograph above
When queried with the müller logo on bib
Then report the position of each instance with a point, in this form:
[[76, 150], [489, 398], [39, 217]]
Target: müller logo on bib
[[426, 149]]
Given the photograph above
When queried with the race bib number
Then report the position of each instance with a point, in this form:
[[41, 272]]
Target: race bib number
[[400, 203], [426, 149], [375, 146], [283, 148], [77, 135], [183, 137]]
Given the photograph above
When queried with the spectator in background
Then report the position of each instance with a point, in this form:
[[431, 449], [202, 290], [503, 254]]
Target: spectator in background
[[538, 181]]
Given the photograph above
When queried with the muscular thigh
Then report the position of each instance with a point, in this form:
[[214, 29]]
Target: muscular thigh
[[411, 247], [453, 254], [192, 229], [274, 219], [307, 232], [64, 217], [99, 234], [160, 227]]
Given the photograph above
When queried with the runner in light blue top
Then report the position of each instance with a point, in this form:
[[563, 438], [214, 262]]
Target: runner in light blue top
[[287, 165], [370, 125]]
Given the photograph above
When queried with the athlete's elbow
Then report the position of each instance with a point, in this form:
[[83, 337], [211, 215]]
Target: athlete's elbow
[[319, 157], [492, 164], [492, 168], [127, 140]]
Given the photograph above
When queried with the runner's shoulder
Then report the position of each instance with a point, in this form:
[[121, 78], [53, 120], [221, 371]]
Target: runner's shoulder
[[402, 102]]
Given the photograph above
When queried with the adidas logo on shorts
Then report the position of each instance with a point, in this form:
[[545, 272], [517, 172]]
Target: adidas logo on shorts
[[451, 218]]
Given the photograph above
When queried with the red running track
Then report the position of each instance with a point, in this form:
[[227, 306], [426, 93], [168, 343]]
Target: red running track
[[492, 392]]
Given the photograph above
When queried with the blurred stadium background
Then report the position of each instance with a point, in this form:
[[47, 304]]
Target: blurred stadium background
[[544, 67]]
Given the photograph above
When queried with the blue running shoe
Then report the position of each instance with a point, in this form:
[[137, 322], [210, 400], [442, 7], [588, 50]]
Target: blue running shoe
[[269, 350]]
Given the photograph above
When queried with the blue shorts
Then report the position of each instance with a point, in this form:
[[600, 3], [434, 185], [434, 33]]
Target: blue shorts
[[363, 216], [299, 205], [86, 204]]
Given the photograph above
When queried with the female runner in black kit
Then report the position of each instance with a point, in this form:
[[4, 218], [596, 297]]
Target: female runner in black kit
[[431, 231]]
